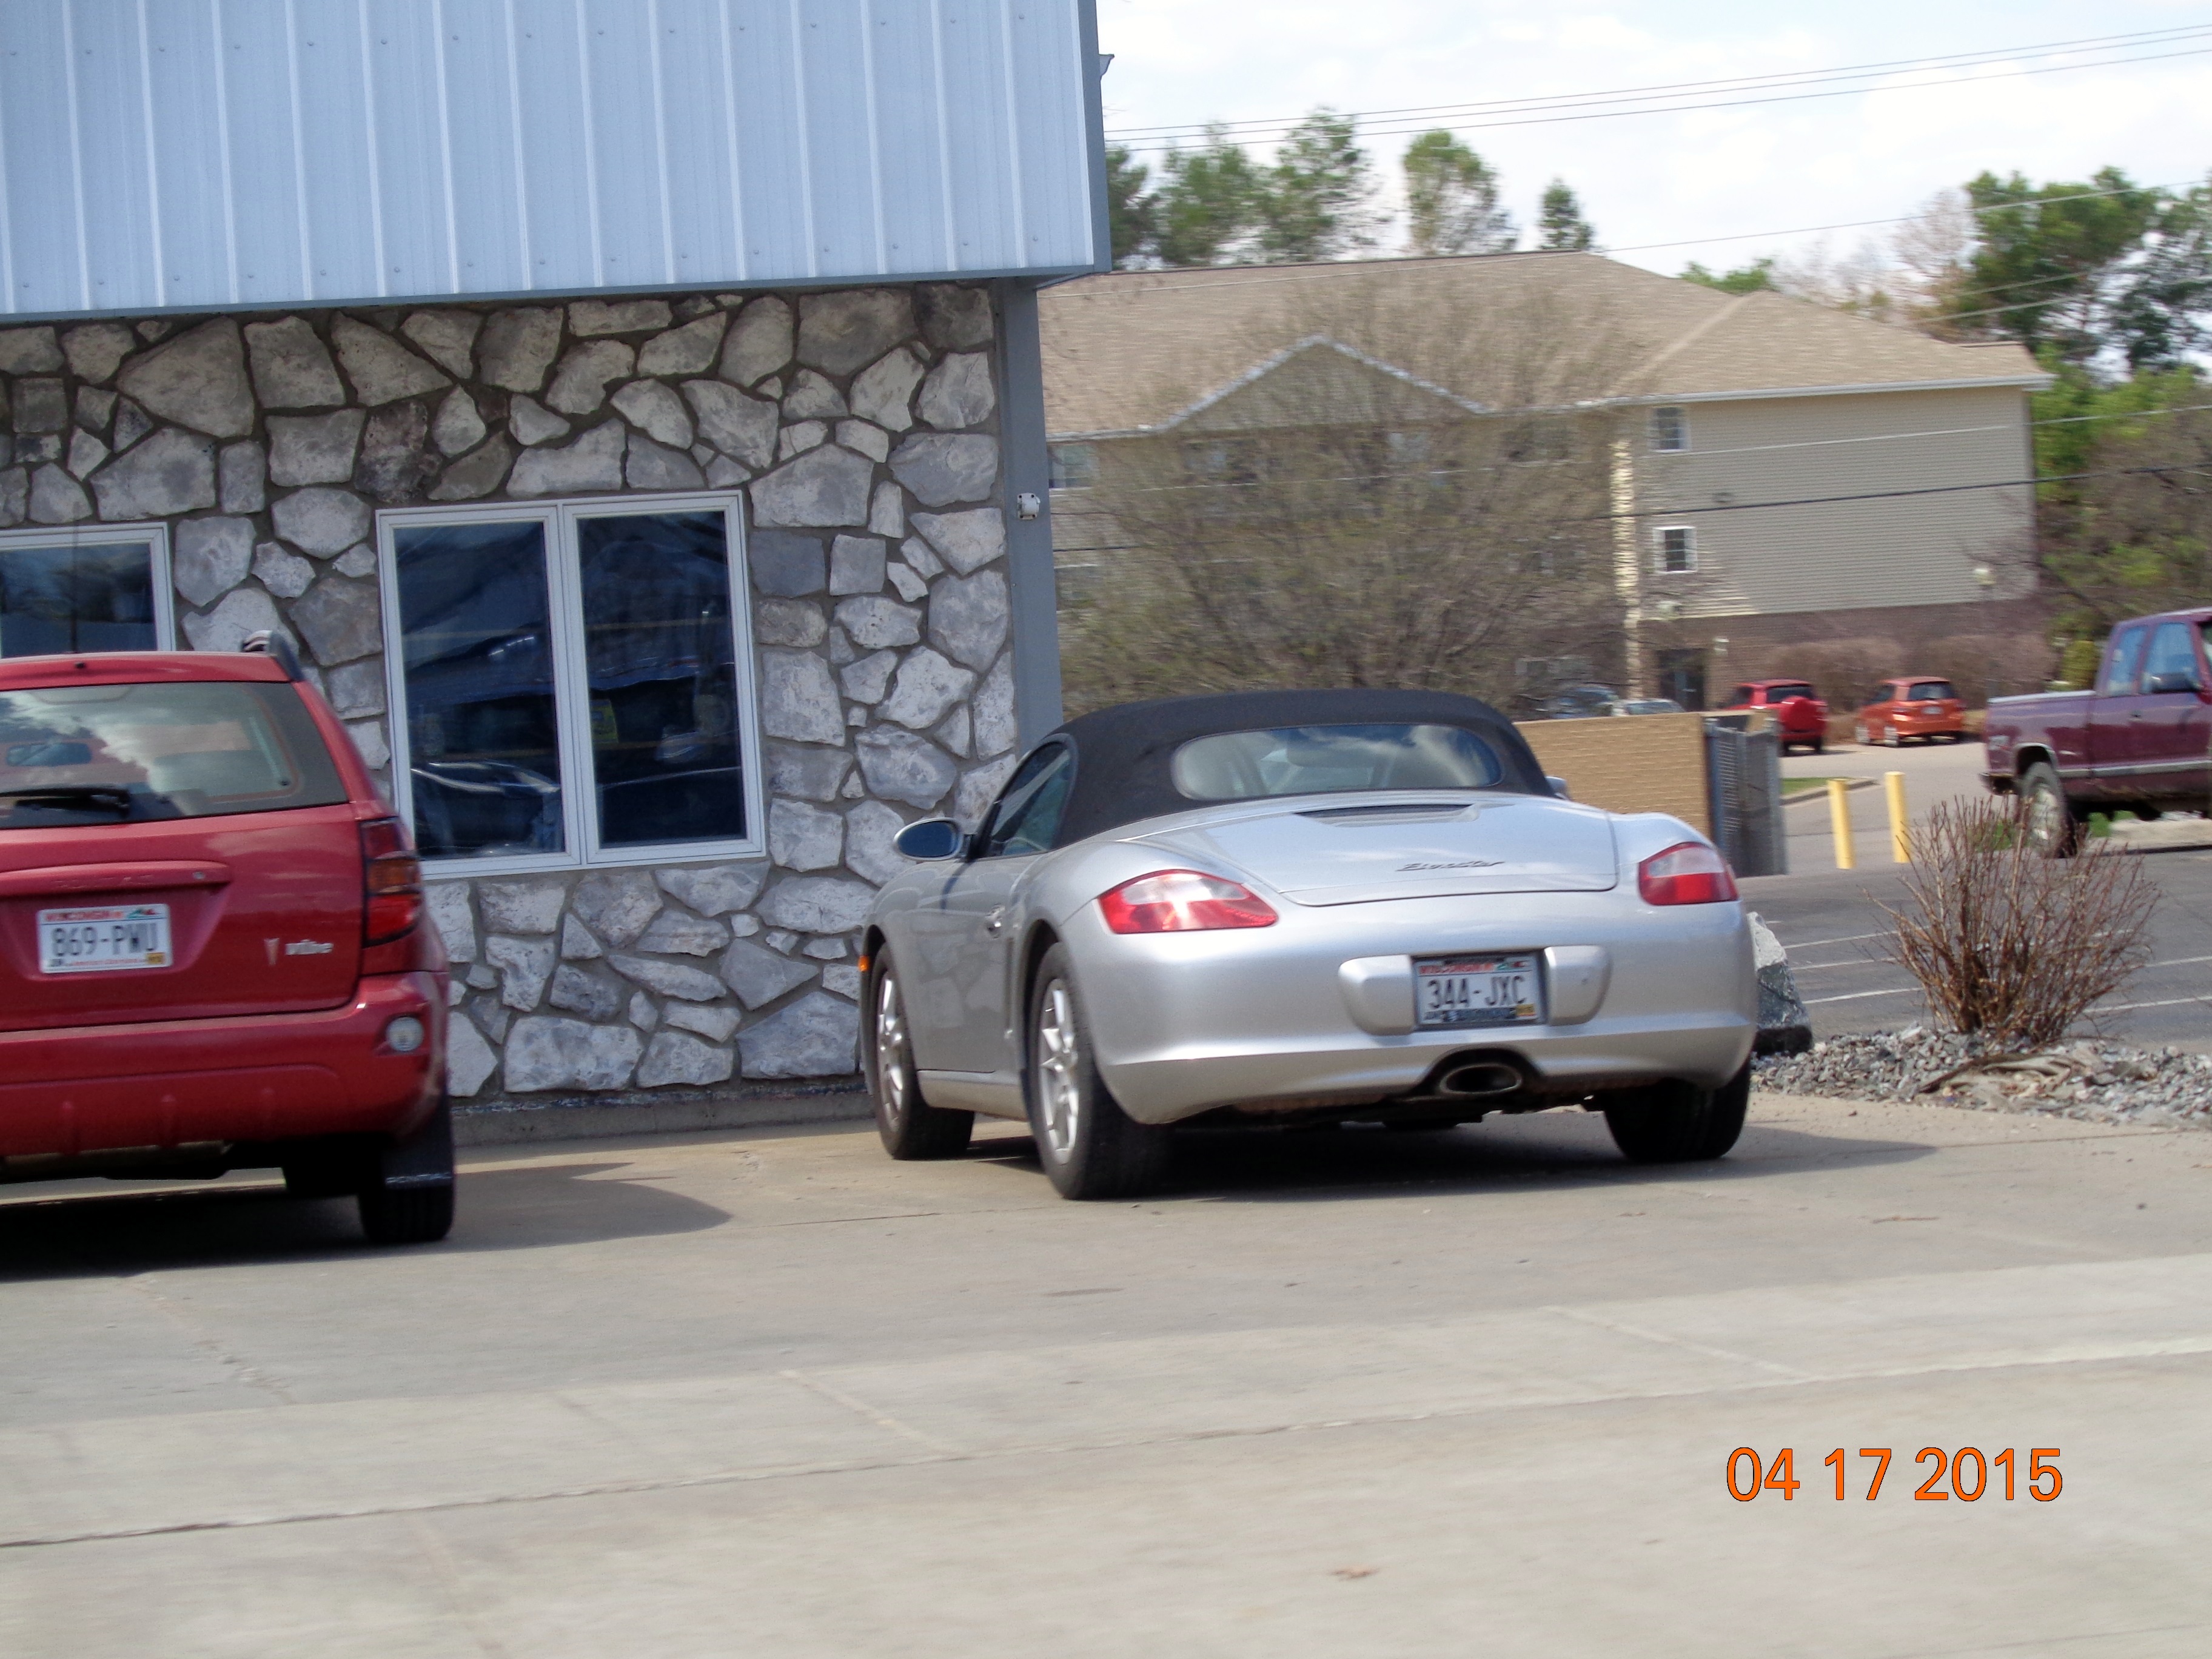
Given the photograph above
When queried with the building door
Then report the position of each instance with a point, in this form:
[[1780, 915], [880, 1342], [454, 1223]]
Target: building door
[[1682, 677]]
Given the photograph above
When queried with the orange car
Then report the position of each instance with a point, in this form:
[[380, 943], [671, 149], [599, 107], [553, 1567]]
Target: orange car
[[1911, 705]]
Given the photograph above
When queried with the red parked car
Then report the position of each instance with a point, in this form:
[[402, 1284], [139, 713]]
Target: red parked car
[[1798, 714], [212, 949], [1913, 706]]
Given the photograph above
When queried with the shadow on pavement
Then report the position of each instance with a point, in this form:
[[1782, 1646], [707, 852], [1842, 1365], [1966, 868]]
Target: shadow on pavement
[[234, 1223]]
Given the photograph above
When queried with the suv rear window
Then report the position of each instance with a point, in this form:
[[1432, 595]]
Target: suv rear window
[[1930, 691], [126, 754], [1315, 760], [1783, 693]]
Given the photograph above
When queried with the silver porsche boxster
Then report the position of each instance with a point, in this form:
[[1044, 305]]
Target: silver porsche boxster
[[1283, 907]]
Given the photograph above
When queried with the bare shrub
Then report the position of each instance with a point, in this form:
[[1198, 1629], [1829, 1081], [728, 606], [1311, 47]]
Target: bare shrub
[[2011, 947]]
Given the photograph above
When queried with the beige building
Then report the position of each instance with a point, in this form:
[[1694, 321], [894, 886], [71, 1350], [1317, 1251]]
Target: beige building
[[1794, 490]]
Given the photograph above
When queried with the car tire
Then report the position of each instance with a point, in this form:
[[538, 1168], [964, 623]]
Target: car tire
[[1821, 745], [406, 1193], [910, 1127], [2051, 829], [1678, 1122], [1090, 1147]]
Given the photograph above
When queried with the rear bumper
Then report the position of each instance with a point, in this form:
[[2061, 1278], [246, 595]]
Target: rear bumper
[[269, 1077]]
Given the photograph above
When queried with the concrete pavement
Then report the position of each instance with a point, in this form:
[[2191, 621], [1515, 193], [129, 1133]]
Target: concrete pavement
[[1353, 1393]]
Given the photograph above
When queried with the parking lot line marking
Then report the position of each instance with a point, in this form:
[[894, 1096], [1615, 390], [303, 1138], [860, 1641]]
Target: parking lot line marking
[[1854, 996], [1848, 938], [2123, 1007]]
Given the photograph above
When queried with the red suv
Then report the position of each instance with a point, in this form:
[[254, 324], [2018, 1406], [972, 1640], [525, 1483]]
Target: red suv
[[212, 949], [1800, 716]]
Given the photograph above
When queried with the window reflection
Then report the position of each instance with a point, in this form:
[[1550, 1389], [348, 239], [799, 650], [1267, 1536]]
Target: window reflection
[[95, 597], [485, 766], [660, 660]]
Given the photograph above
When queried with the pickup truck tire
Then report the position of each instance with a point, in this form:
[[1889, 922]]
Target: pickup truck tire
[[2051, 829]]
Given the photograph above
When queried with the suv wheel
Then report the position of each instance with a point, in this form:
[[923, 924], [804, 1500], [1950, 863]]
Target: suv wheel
[[406, 1195], [1676, 1123]]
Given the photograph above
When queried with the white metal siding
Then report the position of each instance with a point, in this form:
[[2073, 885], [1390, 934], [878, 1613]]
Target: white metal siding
[[205, 154]]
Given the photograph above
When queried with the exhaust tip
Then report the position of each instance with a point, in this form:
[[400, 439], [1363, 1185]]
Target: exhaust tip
[[1483, 1077]]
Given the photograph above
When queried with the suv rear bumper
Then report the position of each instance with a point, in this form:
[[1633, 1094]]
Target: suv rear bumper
[[174, 1083]]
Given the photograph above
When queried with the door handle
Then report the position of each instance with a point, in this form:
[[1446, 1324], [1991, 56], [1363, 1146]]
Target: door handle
[[995, 923]]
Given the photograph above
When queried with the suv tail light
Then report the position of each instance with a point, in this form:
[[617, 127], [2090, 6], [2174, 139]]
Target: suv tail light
[[1183, 902], [1688, 873], [392, 883]]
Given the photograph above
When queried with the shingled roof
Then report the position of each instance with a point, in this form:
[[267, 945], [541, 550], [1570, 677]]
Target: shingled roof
[[1136, 351]]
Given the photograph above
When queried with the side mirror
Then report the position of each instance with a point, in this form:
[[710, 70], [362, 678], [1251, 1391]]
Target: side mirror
[[2180, 680], [1559, 786], [930, 840]]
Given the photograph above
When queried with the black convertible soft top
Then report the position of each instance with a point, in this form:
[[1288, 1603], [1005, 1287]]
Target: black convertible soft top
[[1122, 753]]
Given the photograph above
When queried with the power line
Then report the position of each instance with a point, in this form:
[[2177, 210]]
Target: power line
[[1750, 82]]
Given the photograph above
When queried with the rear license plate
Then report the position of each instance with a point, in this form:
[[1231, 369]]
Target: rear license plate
[[101, 938], [1483, 990]]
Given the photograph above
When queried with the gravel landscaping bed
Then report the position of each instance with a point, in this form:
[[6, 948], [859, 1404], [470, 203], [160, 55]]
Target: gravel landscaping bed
[[2100, 1082]]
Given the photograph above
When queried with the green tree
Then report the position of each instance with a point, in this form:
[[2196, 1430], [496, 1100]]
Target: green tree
[[1132, 211], [1318, 199], [2158, 316], [1208, 205], [1757, 277], [1451, 199], [2047, 257], [1560, 224]]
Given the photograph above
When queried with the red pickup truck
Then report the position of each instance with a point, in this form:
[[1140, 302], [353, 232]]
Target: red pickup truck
[[2141, 741]]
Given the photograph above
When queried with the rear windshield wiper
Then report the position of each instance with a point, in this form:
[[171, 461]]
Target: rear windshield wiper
[[68, 795]]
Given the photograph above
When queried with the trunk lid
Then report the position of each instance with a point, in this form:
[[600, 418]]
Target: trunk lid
[[1320, 851]]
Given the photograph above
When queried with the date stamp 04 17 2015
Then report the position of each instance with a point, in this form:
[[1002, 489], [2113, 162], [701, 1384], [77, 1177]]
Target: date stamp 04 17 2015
[[1971, 1473]]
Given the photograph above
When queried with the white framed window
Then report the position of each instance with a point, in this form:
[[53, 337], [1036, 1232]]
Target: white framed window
[[1074, 466], [64, 589], [1674, 551], [572, 682], [1670, 430]]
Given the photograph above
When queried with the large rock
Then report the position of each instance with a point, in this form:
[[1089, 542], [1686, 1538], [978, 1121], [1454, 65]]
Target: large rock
[[955, 319], [673, 1057], [381, 369], [887, 511], [521, 907], [459, 427], [577, 944], [968, 616], [883, 391], [579, 385], [476, 475], [312, 449], [132, 423], [56, 498], [674, 933], [715, 1022], [818, 1036], [517, 347], [876, 623], [980, 788], [198, 379], [470, 1060], [340, 620], [86, 453], [653, 467], [825, 486], [789, 622], [658, 410], [532, 423], [212, 557], [320, 520], [993, 708], [902, 766], [811, 396], [40, 406], [958, 392], [840, 331], [868, 679], [740, 427], [685, 350], [170, 472], [806, 771], [448, 902], [243, 612], [667, 979], [856, 565], [447, 338], [593, 462], [785, 566], [926, 691], [943, 468], [967, 540], [760, 976], [29, 351], [616, 904], [759, 342], [94, 352], [546, 1052], [799, 700], [14, 496], [804, 837], [587, 318], [714, 890], [525, 965], [395, 461], [869, 828], [292, 367], [585, 993], [242, 477]]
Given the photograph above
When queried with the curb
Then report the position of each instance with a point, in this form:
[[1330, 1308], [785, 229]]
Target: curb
[[590, 1118]]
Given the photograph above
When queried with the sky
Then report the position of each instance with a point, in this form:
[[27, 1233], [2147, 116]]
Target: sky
[[1746, 172]]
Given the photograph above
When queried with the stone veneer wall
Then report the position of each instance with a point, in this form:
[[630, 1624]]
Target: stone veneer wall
[[861, 425]]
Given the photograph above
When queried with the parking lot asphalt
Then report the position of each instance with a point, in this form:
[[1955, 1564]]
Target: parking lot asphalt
[[1353, 1393]]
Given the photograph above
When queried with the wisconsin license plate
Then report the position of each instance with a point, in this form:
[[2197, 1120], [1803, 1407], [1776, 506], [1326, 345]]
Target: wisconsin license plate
[[97, 939], [1478, 990]]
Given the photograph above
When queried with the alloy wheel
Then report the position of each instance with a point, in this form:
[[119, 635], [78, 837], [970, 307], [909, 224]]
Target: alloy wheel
[[1059, 1061], [890, 1051]]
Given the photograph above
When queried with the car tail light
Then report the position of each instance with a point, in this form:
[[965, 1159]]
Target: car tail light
[[392, 882], [1688, 873], [1183, 902]]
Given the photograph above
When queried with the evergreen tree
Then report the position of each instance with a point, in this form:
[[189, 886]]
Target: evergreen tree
[[1560, 224], [1132, 211], [2047, 259], [1209, 205], [1756, 278], [1451, 199], [1318, 199]]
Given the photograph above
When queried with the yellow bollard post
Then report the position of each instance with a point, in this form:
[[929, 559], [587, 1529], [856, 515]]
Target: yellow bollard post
[[1900, 844], [1839, 821]]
